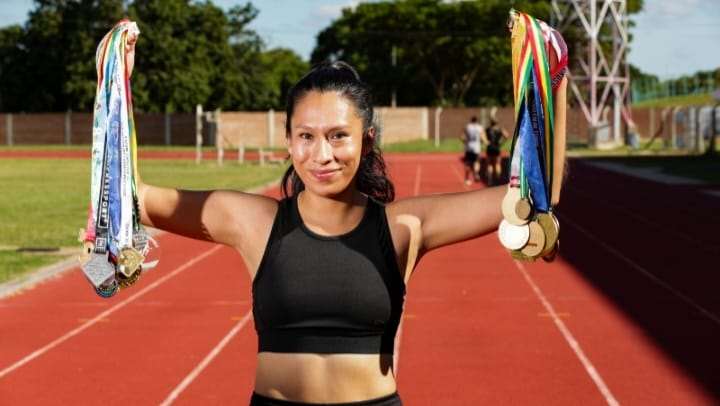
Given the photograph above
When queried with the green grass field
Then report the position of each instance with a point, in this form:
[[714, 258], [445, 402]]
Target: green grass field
[[687, 100], [44, 203]]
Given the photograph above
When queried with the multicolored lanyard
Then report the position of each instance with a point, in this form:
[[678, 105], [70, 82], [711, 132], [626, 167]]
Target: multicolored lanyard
[[114, 240], [529, 229]]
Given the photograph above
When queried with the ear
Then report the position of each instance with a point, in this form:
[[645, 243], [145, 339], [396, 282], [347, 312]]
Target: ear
[[368, 141]]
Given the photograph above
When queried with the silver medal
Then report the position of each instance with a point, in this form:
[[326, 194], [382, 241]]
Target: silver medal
[[98, 270]]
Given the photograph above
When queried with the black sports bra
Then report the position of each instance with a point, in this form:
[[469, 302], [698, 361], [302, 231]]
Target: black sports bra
[[319, 294]]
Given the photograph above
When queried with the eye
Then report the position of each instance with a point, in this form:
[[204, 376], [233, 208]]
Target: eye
[[305, 136], [338, 136]]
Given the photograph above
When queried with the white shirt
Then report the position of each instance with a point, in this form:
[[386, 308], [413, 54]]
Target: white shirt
[[472, 137]]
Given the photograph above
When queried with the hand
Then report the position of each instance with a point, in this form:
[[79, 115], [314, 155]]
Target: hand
[[130, 50]]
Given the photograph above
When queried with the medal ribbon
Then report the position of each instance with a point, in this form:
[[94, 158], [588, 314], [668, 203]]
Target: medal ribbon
[[113, 217], [532, 146]]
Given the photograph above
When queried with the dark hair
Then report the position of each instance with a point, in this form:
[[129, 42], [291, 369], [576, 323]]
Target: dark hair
[[371, 178], [493, 122], [473, 119]]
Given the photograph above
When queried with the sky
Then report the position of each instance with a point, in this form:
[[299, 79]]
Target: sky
[[671, 37]]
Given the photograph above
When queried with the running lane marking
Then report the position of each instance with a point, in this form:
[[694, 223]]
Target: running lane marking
[[206, 361], [106, 313], [572, 342], [645, 272], [398, 337]]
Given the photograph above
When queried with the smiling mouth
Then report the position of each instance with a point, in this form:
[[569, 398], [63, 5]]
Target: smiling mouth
[[324, 174]]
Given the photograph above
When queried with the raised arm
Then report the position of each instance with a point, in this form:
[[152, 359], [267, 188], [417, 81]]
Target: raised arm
[[449, 218], [222, 216]]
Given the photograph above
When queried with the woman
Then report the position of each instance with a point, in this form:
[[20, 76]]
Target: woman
[[329, 262]]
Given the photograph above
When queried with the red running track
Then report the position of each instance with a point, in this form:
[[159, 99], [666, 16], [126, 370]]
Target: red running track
[[478, 328]]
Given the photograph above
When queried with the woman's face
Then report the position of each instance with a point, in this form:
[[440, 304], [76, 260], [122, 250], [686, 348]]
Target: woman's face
[[326, 142]]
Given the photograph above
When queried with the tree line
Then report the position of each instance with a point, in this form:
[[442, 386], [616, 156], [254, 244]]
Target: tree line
[[188, 53], [414, 52]]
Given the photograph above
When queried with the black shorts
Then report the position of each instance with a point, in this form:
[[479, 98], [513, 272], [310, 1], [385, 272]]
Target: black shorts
[[470, 158], [389, 400], [492, 151]]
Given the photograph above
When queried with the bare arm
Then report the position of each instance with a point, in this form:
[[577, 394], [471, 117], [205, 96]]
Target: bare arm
[[222, 216], [453, 217]]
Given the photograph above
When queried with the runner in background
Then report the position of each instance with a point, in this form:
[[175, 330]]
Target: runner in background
[[496, 137], [473, 136]]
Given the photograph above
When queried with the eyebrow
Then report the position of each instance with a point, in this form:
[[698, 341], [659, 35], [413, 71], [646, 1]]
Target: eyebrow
[[335, 128]]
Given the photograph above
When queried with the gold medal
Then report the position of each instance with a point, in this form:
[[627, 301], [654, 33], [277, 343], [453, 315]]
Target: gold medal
[[129, 261], [517, 254], [126, 282], [551, 229], [523, 209], [550, 257], [509, 202], [536, 241]]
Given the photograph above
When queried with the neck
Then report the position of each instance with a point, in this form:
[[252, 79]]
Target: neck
[[331, 215]]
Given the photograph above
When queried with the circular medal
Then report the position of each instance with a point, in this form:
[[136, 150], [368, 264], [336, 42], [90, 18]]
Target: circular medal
[[517, 254], [551, 228], [550, 257], [513, 237], [523, 209], [512, 197], [126, 282], [536, 240], [108, 290]]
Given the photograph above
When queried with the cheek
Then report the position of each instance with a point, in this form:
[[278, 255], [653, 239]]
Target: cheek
[[299, 151]]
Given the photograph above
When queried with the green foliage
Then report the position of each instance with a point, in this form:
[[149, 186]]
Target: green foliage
[[447, 53], [188, 53]]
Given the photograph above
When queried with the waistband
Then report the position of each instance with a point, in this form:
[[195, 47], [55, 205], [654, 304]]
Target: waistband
[[389, 400]]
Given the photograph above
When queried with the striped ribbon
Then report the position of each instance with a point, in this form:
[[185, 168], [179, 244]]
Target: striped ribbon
[[532, 146], [113, 214]]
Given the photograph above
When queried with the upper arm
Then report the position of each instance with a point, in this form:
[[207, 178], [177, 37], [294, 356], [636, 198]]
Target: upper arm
[[222, 216], [453, 217]]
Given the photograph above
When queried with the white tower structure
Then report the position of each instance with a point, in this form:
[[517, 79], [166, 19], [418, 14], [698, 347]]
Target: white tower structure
[[599, 75]]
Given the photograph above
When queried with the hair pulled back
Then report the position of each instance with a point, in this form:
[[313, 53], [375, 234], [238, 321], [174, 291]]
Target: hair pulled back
[[371, 178]]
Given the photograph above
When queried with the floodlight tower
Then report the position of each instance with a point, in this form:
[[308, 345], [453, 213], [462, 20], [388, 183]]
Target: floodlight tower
[[598, 30]]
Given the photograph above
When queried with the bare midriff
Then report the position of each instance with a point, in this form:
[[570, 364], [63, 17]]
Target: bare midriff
[[324, 378]]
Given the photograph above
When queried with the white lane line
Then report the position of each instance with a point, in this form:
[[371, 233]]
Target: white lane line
[[106, 313], [206, 361], [572, 342], [398, 336], [645, 272]]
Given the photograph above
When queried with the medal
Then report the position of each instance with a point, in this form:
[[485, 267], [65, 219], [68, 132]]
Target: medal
[[513, 237], [98, 270], [536, 241], [108, 290], [509, 203], [126, 282], [551, 229], [129, 261], [523, 209], [550, 257]]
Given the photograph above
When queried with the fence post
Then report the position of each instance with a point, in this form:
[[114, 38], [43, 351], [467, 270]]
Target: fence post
[[9, 128], [673, 127], [271, 127], [168, 131], [425, 117], [438, 111], [198, 133], [68, 127], [219, 138]]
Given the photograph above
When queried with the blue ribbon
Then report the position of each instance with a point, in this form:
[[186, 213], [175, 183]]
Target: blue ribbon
[[532, 132]]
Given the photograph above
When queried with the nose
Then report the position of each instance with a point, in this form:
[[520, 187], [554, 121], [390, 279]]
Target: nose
[[322, 152]]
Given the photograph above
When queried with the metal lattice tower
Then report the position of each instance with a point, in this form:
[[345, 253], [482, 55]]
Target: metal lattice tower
[[597, 33]]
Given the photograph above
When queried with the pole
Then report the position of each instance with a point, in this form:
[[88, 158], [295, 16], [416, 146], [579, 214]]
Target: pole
[[393, 102], [198, 133]]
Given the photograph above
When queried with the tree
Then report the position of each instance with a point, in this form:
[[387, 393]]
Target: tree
[[443, 48]]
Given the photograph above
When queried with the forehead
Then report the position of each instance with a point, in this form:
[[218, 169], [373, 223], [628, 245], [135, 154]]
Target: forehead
[[322, 110]]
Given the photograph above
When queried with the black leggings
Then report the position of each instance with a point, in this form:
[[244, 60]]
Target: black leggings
[[389, 400]]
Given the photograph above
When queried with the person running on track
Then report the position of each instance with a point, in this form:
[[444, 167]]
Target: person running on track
[[330, 260], [496, 137], [472, 137]]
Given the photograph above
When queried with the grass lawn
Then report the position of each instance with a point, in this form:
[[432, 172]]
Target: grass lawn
[[44, 202], [686, 100]]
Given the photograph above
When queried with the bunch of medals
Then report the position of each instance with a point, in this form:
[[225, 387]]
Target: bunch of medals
[[115, 244], [529, 229]]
